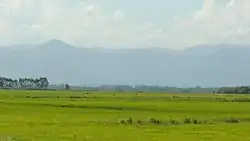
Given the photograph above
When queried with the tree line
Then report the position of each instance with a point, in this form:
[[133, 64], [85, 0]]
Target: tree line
[[235, 90], [43, 83], [137, 88], [24, 83]]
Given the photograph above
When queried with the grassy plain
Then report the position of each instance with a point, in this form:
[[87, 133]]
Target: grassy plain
[[98, 116]]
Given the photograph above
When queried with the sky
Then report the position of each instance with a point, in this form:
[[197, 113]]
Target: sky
[[125, 23]]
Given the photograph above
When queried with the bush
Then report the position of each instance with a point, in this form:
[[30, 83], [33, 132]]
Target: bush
[[205, 122], [187, 121], [126, 121], [139, 121], [196, 121], [155, 121], [232, 120], [122, 121], [130, 120], [172, 121], [175, 97]]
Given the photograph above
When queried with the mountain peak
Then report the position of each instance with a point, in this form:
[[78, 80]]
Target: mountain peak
[[55, 41], [56, 44]]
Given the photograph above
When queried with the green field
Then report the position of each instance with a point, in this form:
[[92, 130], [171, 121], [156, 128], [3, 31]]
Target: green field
[[97, 116]]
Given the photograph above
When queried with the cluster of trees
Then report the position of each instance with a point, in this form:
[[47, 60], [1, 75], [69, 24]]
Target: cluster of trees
[[235, 90], [24, 83]]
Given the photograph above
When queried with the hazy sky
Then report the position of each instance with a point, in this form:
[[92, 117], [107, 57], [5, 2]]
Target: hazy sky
[[125, 23]]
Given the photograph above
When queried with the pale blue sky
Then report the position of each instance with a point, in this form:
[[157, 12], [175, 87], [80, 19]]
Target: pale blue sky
[[125, 23], [158, 11]]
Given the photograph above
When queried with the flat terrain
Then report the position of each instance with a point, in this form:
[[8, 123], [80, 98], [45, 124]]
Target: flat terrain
[[97, 116]]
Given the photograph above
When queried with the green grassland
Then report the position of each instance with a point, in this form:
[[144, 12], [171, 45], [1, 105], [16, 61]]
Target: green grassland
[[102, 116]]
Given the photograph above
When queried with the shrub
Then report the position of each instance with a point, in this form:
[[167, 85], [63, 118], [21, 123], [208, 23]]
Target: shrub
[[155, 121], [187, 121], [139, 121], [122, 121], [172, 121], [232, 120], [195, 121], [175, 97], [130, 120], [205, 122]]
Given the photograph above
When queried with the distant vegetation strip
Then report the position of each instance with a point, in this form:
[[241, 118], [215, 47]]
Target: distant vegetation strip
[[42, 83]]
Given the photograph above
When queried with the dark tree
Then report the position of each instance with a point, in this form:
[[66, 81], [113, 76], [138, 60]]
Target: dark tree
[[1, 82], [67, 87], [44, 82]]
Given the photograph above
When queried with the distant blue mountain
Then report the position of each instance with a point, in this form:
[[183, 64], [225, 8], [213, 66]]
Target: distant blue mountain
[[205, 65]]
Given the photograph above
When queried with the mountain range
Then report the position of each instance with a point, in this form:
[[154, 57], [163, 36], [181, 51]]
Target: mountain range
[[203, 65]]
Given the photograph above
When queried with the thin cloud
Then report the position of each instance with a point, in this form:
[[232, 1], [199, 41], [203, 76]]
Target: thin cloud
[[88, 23]]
